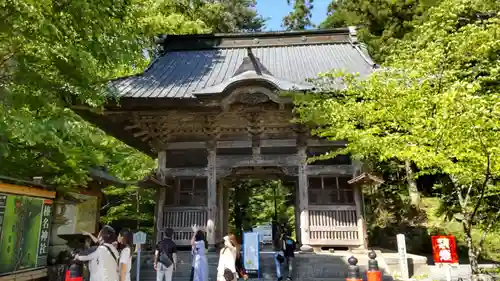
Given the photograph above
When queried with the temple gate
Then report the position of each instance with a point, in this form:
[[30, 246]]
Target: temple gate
[[208, 108]]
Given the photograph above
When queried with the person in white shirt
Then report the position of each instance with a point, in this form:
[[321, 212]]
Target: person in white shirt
[[226, 270], [104, 260], [125, 241]]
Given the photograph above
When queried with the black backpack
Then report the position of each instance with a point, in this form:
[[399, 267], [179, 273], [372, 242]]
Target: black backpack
[[163, 255]]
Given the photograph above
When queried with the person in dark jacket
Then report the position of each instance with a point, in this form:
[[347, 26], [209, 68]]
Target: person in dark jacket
[[286, 253]]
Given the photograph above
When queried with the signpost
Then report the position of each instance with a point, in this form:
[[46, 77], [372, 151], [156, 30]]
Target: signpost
[[403, 258], [444, 252], [139, 239], [251, 252]]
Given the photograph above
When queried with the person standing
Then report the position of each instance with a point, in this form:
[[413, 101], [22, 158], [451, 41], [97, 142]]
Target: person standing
[[125, 241], [104, 260], [165, 257], [286, 254], [200, 261], [226, 269]]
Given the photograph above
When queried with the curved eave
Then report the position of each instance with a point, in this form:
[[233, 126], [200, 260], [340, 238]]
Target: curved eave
[[249, 76]]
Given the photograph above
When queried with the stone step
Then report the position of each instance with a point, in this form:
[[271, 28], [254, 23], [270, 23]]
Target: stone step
[[308, 266]]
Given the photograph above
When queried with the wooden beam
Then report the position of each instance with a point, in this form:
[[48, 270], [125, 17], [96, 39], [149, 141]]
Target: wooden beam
[[248, 143], [24, 190], [184, 172], [330, 170], [140, 134], [332, 207], [257, 160], [132, 127], [278, 143]]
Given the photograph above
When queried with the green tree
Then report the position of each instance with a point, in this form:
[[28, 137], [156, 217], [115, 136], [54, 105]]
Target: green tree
[[379, 20], [435, 104], [53, 55], [253, 203], [300, 17]]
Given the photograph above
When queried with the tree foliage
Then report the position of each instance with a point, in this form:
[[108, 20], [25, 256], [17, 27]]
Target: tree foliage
[[300, 17], [436, 104], [380, 20], [54, 54], [252, 203]]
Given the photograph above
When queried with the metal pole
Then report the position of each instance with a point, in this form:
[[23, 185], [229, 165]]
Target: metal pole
[[138, 263]]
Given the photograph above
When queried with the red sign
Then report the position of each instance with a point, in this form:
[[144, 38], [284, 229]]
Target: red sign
[[444, 249]]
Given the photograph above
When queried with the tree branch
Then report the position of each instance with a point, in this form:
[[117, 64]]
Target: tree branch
[[483, 186], [485, 233]]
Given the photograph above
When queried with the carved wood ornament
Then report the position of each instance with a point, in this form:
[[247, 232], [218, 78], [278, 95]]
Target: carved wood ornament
[[252, 95]]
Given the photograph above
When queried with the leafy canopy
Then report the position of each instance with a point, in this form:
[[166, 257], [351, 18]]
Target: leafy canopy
[[300, 16], [55, 54], [435, 103], [380, 21]]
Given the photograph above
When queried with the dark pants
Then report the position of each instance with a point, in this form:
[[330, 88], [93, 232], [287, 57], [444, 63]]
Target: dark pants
[[191, 277]]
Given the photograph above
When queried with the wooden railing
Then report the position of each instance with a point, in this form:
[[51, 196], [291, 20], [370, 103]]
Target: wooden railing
[[333, 225], [181, 220]]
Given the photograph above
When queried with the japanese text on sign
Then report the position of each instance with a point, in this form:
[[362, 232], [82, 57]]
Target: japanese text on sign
[[444, 249], [45, 230]]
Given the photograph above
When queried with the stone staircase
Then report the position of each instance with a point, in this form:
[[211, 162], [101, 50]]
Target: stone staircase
[[308, 266]]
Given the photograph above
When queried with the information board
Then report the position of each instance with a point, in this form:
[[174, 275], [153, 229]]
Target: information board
[[25, 224], [251, 252]]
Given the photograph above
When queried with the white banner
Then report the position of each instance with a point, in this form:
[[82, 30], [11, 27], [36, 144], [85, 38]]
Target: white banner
[[251, 251]]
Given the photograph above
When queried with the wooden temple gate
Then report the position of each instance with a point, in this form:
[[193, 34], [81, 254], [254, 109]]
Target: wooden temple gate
[[209, 109]]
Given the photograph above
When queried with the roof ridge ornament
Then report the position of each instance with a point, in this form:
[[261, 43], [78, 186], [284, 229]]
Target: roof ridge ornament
[[251, 63], [353, 34]]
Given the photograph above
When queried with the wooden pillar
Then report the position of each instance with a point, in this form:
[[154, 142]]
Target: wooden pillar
[[297, 211], [225, 208], [160, 208], [161, 196], [220, 208], [363, 237], [212, 196], [303, 200]]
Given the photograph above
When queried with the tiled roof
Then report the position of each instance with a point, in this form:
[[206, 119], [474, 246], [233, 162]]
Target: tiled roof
[[184, 73]]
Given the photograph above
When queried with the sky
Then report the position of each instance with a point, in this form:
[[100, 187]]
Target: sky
[[275, 10]]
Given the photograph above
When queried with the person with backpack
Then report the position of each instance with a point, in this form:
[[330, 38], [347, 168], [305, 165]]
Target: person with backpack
[[104, 259], [286, 254], [165, 257]]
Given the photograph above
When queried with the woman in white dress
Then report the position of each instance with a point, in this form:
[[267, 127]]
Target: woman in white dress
[[200, 262], [125, 240], [226, 270]]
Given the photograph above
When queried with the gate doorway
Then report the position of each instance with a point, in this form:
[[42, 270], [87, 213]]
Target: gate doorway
[[262, 206]]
